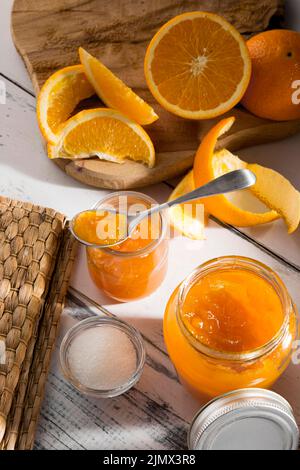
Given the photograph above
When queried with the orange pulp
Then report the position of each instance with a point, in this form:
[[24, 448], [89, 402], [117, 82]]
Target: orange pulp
[[231, 313]]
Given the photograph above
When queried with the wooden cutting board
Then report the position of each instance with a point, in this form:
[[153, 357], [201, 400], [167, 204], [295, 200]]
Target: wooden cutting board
[[48, 33]]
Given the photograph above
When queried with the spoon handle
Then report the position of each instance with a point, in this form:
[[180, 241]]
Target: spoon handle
[[232, 181]]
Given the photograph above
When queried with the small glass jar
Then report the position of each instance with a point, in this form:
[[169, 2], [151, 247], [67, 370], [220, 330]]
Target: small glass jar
[[135, 268], [207, 372], [115, 324]]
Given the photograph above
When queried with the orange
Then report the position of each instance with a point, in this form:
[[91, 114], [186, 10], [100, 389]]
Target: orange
[[272, 195], [275, 68], [197, 65], [58, 98], [114, 93], [106, 134]]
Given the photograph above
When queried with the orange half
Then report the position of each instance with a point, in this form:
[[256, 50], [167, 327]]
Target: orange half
[[197, 65]]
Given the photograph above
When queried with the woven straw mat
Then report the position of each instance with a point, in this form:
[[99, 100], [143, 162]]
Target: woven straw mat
[[36, 257]]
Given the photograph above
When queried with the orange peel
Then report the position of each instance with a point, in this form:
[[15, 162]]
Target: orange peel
[[273, 194]]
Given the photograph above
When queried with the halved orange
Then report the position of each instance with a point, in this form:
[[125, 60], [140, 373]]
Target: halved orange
[[58, 98], [197, 65], [114, 93], [241, 208], [106, 134]]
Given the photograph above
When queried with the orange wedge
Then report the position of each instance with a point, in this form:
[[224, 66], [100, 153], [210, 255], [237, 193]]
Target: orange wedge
[[187, 218], [197, 65], [106, 134], [114, 93], [241, 208], [58, 98]]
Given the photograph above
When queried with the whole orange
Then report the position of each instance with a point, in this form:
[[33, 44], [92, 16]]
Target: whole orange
[[275, 71]]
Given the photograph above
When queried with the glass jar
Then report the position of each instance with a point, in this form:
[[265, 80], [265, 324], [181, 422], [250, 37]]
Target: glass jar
[[96, 323], [208, 372], [136, 267]]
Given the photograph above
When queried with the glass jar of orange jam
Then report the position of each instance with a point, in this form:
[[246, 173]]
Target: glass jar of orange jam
[[230, 325], [136, 267]]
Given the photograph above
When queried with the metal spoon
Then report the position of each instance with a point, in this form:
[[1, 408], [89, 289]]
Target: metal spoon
[[232, 181]]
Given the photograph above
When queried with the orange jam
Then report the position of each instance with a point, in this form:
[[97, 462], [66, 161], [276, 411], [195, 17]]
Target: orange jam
[[100, 227], [232, 311], [137, 266], [230, 325]]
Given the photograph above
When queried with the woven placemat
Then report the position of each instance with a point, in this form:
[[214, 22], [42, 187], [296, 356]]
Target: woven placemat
[[36, 256]]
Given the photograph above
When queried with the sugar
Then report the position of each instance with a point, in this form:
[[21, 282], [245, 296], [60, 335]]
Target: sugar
[[102, 357]]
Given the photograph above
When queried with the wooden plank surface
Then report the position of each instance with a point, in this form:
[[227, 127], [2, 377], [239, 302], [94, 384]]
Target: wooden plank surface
[[26, 173], [69, 420], [111, 30], [11, 63], [147, 417], [155, 414]]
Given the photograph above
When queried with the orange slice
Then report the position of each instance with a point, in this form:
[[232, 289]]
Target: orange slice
[[197, 65], [114, 93], [241, 208], [106, 134], [58, 98], [187, 218]]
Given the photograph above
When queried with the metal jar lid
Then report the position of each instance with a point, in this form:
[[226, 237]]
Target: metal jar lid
[[245, 419]]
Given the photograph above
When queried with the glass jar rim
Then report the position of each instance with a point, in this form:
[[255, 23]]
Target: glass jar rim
[[153, 244], [92, 322], [230, 262]]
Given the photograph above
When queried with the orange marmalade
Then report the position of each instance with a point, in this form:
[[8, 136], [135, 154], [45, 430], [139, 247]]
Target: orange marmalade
[[100, 227], [137, 266], [230, 325]]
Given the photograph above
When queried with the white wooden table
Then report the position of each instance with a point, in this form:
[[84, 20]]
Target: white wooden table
[[157, 412]]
